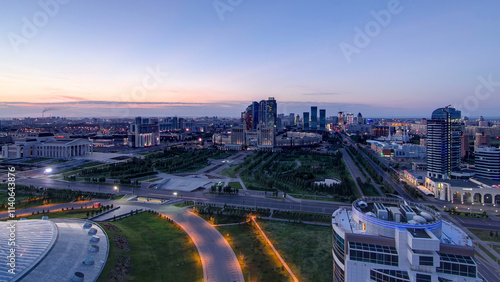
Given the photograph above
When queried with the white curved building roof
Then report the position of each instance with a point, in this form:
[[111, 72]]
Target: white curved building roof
[[33, 239]]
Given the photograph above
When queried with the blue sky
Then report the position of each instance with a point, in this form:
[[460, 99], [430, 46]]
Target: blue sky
[[86, 57]]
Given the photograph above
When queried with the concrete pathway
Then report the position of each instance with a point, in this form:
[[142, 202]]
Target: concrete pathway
[[217, 257]]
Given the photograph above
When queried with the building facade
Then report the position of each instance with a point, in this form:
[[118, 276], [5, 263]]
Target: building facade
[[306, 121], [322, 119], [314, 118], [487, 162], [444, 131], [47, 148], [388, 239]]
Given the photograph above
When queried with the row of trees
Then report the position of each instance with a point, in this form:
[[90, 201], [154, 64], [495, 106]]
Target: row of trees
[[224, 190]]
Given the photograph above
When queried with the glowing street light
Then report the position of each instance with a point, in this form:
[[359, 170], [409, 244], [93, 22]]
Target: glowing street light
[[116, 189], [48, 170]]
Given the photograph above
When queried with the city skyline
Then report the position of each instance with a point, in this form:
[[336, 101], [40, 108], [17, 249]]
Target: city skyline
[[175, 58]]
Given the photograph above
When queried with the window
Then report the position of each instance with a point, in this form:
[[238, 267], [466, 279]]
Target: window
[[338, 246], [373, 253], [423, 278], [457, 265], [384, 275], [426, 260], [339, 273]]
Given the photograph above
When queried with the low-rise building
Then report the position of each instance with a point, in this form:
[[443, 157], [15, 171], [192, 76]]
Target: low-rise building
[[45, 145]]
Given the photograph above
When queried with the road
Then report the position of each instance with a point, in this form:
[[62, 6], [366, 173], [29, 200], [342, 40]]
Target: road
[[353, 170], [385, 175]]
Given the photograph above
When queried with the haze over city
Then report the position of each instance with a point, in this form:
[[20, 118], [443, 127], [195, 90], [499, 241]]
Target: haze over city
[[197, 58]]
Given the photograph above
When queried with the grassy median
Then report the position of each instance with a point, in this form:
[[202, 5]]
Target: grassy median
[[305, 248]]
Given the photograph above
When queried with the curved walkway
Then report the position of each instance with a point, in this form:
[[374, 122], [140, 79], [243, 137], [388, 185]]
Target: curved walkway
[[217, 257]]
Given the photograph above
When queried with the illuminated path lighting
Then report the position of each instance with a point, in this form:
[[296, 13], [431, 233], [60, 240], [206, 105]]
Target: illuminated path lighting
[[276, 252]]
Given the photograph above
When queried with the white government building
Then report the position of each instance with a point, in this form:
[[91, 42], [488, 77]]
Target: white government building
[[45, 145], [388, 239]]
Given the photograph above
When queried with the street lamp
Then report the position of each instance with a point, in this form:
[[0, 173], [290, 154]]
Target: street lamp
[[116, 189], [469, 212]]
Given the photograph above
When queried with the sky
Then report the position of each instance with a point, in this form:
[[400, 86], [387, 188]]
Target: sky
[[195, 58]]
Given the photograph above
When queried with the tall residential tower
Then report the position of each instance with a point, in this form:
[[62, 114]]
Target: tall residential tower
[[444, 131]]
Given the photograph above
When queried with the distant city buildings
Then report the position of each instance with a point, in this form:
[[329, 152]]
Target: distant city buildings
[[482, 139], [144, 132]]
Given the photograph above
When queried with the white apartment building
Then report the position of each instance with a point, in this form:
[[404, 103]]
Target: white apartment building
[[388, 239]]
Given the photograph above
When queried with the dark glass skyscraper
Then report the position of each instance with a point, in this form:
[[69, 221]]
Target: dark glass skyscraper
[[255, 114], [262, 112], [322, 119], [271, 112], [314, 118], [306, 120], [444, 131]]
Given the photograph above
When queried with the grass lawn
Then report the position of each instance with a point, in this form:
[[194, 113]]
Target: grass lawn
[[147, 178], [485, 235], [369, 190], [4, 197], [257, 260], [36, 203], [36, 160], [77, 213], [90, 164], [235, 185], [306, 248], [230, 171], [487, 252], [185, 204], [146, 247], [496, 248], [155, 179], [59, 162]]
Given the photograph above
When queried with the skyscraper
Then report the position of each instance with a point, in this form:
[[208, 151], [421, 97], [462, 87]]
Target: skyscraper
[[271, 112], [322, 119], [341, 118], [291, 119], [444, 132], [350, 118], [247, 117], [306, 120], [360, 119], [314, 118], [255, 114], [262, 112]]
